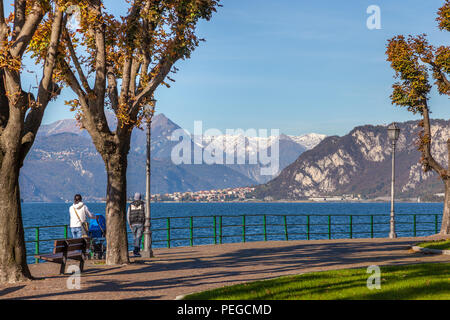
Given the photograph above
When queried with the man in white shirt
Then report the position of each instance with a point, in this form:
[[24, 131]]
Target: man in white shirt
[[79, 213]]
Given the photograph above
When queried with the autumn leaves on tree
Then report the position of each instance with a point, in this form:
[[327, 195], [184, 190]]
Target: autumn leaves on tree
[[109, 63], [21, 114], [417, 63], [117, 65]]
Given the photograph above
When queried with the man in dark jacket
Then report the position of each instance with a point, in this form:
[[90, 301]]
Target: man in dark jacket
[[136, 220]]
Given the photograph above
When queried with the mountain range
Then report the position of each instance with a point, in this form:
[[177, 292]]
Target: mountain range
[[63, 161], [360, 163]]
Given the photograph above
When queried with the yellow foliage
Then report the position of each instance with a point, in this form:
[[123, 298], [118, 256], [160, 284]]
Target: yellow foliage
[[7, 61]]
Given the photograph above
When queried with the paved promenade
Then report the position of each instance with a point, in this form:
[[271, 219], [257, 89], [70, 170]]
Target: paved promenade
[[182, 271]]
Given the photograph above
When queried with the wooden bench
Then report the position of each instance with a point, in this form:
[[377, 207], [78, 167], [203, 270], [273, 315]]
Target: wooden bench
[[69, 249]]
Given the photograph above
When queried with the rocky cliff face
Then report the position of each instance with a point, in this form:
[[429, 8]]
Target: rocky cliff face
[[360, 163]]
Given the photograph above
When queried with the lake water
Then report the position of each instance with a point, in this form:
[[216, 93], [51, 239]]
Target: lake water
[[326, 220]]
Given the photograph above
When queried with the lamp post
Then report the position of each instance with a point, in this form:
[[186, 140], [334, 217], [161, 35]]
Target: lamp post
[[148, 252], [393, 133]]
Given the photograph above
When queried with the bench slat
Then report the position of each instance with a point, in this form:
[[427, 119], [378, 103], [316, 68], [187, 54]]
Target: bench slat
[[59, 246], [59, 249], [77, 241], [76, 247], [74, 255]]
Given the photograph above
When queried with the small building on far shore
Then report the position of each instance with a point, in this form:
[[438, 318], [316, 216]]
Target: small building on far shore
[[344, 197]]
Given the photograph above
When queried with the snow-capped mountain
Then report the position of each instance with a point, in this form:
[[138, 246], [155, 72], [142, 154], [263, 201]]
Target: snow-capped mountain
[[231, 143], [309, 141], [163, 127], [63, 161], [248, 151]]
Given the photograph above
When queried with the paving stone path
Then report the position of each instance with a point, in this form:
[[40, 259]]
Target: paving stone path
[[181, 271]]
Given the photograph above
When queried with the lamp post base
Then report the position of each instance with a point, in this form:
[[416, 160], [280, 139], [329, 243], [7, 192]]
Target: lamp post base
[[392, 233]]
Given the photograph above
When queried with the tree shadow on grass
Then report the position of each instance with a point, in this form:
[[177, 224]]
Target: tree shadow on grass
[[409, 293], [336, 285], [277, 290]]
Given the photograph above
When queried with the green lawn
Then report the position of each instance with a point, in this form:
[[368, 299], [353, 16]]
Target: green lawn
[[423, 281], [439, 245]]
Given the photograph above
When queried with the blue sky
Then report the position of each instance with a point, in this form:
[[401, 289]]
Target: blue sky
[[297, 66]]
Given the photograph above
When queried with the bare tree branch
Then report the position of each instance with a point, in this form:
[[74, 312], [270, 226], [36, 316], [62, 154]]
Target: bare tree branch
[[27, 30], [126, 78], [3, 26], [2, 13], [112, 88], [89, 115], [76, 62], [100, 59], [426, 150], [19, 17], [436, 69], [148, 40], [4, 105], [47, 87], [100, 66], [161, 70], [448, 155], [132, 29], [442, 77], [144, 71], [133, 76], [73, 83]]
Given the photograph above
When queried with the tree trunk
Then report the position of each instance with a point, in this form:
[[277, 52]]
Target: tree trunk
[[13, 261], [116, 201], [114, 149], [445, 229]]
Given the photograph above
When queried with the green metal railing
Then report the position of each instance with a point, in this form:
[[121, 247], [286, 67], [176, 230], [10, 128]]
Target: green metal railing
[[218, 235], [212, 230], [37, 234]]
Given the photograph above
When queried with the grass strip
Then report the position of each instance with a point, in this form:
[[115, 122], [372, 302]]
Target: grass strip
[[412, 282]]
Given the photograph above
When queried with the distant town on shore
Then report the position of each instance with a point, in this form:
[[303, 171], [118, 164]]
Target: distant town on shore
[[247, 194]]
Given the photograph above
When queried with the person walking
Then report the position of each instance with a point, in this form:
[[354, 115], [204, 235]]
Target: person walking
[[79, 213], [136, 220]]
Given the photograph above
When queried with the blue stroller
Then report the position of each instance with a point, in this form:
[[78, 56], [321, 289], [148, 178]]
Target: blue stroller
[[97, 233]]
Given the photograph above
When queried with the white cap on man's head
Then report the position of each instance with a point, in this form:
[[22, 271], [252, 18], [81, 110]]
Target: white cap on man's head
[[137, 196]]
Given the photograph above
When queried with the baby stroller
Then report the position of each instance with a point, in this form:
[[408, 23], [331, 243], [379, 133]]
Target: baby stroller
[[97, 233]]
